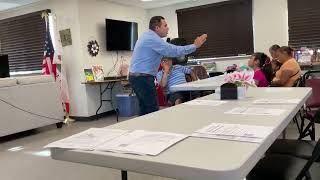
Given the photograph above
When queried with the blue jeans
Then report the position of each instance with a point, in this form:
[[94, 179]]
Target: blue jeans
[[145, 90]]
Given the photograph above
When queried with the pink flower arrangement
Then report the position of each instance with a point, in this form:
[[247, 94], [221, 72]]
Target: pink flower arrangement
[[241, 79]]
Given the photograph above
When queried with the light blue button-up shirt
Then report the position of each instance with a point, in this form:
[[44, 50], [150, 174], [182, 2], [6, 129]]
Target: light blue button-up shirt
[[149, 50]]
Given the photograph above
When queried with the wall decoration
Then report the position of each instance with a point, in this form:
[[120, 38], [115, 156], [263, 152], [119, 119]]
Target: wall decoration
[[65, 36], [88, 73], [98, 72], [93, 48]]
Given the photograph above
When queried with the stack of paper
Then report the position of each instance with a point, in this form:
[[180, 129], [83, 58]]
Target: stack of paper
[[87, 140], [133, 142], [205, 103], [235, 132], [256, 111], [142, 142], [276, 101]]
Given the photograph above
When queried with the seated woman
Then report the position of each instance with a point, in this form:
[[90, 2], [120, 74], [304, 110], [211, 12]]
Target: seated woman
[[261, 65], [274, 51], [173, 75], [290, 70]]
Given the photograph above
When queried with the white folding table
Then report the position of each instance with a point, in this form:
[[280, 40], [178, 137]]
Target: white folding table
[[200, 85], [198, 158]]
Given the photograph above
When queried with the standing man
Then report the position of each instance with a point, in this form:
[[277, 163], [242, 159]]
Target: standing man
[[148, 51]]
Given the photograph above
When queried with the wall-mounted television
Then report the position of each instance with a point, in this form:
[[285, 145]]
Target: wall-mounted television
[[121, 35]]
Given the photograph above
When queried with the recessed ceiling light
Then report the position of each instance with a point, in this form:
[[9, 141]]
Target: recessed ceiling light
[[145, 0]]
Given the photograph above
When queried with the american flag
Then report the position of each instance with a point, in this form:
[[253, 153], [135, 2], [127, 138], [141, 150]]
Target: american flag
[[52, 65], [48, 67]]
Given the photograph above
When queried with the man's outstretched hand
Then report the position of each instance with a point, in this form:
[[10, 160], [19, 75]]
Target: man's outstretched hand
[[198, 42]]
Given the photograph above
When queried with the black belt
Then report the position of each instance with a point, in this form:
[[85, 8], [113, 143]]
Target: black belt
[[139, 74]]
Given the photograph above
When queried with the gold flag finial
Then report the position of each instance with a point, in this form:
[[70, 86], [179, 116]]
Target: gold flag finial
[[44, 14]]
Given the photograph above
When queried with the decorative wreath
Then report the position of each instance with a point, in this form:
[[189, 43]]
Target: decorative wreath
[[93, 48]]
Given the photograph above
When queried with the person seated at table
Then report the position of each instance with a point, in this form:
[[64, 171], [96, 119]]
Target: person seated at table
[[274, 52], [171, 75], [290, 70], [261, 65]]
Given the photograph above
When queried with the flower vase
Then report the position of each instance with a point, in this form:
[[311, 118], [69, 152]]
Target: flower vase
[[242, 91]]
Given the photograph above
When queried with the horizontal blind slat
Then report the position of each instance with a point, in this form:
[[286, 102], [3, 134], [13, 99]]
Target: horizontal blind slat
[[23, 39], [228, 25], [304, 24]]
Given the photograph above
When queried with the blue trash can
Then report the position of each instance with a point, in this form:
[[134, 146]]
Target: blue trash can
[[128, 105]]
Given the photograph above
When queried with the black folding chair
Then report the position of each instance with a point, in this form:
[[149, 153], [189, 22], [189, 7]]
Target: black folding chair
[[298, 148], [311, 112], [286, 167]]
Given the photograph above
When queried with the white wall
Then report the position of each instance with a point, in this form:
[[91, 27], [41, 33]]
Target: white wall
[[86, 19], [270, 20], [92, 26], [270, 24]]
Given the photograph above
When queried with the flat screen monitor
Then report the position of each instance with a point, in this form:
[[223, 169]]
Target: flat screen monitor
[[121, 35]]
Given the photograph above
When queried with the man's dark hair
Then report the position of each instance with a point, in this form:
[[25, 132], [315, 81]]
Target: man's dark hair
[[154, 22], [274, 47]]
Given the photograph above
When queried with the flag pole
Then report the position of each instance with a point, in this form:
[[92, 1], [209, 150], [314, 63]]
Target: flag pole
[[57, 60], [67, 119]]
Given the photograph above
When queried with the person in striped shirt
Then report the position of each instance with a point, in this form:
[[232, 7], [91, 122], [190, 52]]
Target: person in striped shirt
[[171, 75]]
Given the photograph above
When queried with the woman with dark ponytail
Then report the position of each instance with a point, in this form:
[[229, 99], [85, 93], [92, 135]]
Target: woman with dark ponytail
[[262, 67]]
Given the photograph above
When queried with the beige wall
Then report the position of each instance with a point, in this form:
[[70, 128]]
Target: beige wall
[[270, 20], [92, 26]]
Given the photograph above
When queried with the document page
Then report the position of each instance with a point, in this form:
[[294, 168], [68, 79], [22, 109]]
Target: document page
[[256, 111], [238, 132], [276, 101], [205, 103], [142, 142], [87, 140]]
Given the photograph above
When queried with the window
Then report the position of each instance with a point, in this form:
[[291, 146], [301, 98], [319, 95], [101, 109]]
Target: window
[[228, 25], [22, 39], [304, 23]]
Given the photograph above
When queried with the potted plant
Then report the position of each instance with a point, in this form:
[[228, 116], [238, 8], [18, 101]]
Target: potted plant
[[242, 80]]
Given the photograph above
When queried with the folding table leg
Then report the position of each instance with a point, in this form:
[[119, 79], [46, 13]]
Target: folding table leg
[[284, 134], [124, 175]]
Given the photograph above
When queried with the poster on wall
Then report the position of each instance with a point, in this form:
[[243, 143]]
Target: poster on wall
[[98, 73], [65, 36]]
